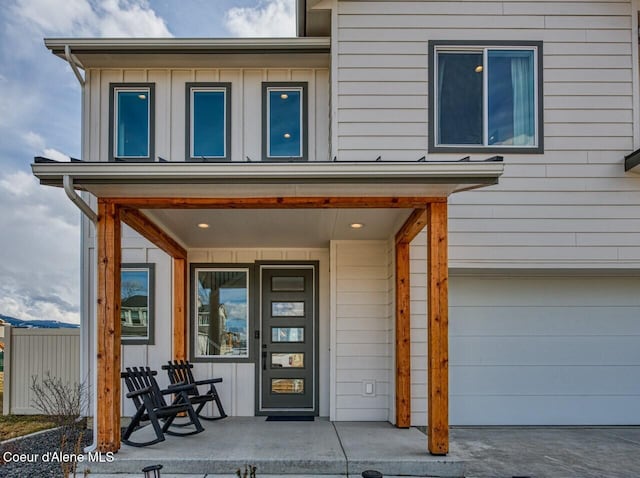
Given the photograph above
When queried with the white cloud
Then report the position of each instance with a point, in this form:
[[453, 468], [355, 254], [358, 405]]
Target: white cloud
[[270, 18], [39, 278], [107, 18], [33, 140]]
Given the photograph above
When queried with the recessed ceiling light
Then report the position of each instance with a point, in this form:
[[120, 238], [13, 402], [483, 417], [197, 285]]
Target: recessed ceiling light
[[356, 225], [479, 69], [142, 97], [287, 136], [203, 225], [284, 96]]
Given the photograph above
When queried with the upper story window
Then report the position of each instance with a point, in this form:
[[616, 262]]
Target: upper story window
[[485, 97], [284, 120], [131, 132], [208, 121]]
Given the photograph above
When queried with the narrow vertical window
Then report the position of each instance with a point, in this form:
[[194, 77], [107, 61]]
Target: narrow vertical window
[[131, 131], [284, 121], [208, 121]]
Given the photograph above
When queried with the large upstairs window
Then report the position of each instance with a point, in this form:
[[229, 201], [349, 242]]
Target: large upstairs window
[[131, 120], [208, 121], [485, 97], [284, 119]]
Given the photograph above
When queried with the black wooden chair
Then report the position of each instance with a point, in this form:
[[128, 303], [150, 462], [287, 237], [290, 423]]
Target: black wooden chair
[[151, 405], [180, 372]]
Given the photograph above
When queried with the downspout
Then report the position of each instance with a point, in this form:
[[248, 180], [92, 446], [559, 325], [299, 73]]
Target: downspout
[[67, 181]]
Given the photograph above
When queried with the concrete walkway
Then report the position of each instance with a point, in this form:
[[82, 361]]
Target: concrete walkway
[[549, 452], [322, 449], [288, 448]]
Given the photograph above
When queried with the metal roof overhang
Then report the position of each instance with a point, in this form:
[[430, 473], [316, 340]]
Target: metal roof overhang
[[393, 190], [183, 52], [271, 179]]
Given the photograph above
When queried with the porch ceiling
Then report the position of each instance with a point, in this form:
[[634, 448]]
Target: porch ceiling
[[276, 227]]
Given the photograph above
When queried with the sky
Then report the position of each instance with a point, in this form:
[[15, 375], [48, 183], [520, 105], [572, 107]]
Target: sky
[[40, 116]]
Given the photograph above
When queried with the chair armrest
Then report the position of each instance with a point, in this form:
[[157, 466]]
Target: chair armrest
[[178, 387], [206, 382], [142, 391]]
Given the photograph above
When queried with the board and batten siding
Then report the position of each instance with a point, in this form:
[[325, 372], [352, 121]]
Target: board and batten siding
[[361, 328], [246, 108], [571, 207]]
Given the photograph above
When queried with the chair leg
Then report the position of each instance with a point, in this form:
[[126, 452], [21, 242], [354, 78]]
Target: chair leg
[[216, 398]]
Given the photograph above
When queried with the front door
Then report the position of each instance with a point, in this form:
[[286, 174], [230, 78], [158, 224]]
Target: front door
[[288, 350]]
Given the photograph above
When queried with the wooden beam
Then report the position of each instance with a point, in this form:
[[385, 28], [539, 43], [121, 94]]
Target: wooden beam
[[275, 202], [179, 309], [108, 327], [412, 226], [149, 230], [437, 329], [403, 337]]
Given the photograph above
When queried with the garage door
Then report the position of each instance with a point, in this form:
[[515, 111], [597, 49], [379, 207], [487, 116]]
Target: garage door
[[544, 350]]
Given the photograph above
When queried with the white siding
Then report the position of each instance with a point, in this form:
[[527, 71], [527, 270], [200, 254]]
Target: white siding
[[246, 108], [544, 350], [360, 275], [238, 388], [571, 207]]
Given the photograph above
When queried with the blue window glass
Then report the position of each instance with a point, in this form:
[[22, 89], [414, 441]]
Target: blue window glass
[[208, 129], [511, 97], [486, 97], [132, 124], [285, 123], [460, 98]]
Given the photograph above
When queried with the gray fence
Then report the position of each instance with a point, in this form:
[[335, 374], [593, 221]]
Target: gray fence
[[35, 353]]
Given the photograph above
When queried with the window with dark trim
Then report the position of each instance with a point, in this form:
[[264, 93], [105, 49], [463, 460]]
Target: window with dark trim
[[221, 312], [131, 121], [485, 97], [208, 121], [137, 309], [284, 121]]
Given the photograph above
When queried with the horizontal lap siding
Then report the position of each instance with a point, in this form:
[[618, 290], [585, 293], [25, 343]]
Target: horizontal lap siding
[[362, 329], [574, 203]]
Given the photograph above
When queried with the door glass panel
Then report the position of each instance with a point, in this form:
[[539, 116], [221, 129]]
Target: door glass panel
[[287, 360], [287, 334], [287, 309], [287, 284], [287, 385]]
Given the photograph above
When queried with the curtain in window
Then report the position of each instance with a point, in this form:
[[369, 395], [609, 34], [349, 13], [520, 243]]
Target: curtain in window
[[523, 99]]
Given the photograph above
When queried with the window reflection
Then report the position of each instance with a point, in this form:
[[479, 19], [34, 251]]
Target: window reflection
[[223, 320]]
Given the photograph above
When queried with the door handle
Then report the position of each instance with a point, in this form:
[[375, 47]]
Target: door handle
[[264, 360]]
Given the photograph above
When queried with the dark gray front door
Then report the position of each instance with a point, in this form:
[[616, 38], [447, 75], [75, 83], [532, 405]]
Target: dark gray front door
[[287, 358]]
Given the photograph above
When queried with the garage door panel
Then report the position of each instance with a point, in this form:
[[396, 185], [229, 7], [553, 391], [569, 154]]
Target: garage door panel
[[474, 320], [544, 291], [541, 410], [547, 380], [545, 350]]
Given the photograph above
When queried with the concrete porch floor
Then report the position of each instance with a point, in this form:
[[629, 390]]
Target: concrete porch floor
[[320, 447]]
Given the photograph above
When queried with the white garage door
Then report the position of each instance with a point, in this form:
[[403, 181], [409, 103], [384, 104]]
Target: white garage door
[[544, 350]]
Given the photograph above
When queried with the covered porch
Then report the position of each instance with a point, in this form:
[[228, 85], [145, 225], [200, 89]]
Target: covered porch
[[155, 200], [320, 447]]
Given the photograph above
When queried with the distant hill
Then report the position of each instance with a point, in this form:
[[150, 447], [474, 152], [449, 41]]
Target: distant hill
[[37, 324]]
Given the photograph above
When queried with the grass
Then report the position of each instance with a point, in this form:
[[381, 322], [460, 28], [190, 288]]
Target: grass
[[12, 426]]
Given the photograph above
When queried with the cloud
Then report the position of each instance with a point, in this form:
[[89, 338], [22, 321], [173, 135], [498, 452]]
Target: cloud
[[56, 155], [39, 278], [107, 18], [270, 18]]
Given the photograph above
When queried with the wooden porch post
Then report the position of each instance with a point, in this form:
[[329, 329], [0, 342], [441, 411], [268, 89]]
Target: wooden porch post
[[438, 329], [179, 308], [409, 230], [108, 326], [403, 337]]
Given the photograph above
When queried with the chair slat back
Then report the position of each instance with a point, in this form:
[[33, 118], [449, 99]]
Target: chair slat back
[[180, 372], [137, 378]]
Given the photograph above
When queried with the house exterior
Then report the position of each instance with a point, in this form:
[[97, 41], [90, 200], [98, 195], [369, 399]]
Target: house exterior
[[281, 189]]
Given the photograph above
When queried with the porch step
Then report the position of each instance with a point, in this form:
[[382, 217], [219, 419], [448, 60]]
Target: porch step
[[287, 449]]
